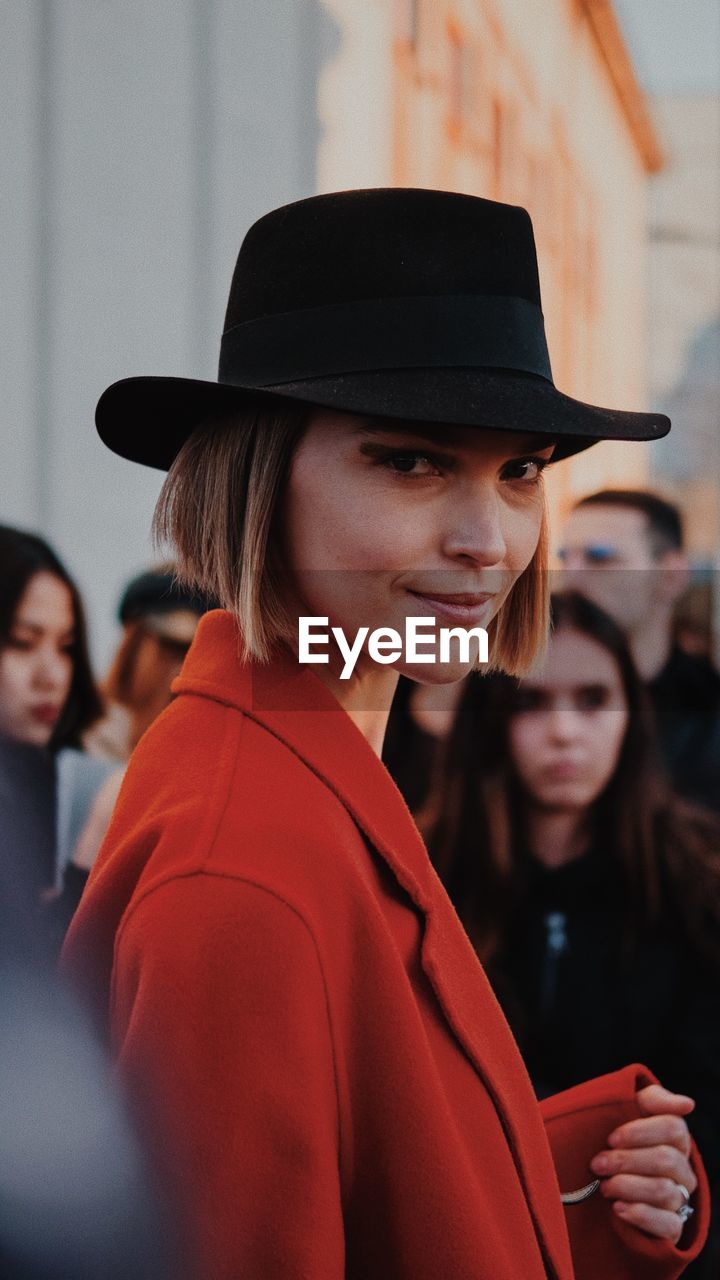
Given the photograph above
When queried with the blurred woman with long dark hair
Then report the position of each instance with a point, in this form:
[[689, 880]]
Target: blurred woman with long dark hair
[[590, 892], [48, 699], [75, 1197], [47, 692]]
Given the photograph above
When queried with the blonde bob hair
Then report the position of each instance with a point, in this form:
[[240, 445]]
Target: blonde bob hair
[[221, 508]]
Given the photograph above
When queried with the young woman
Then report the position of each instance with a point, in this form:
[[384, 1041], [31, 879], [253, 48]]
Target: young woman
[[47, 693], [308, 1039], [591, 894], [75, 1196], [47, 699]]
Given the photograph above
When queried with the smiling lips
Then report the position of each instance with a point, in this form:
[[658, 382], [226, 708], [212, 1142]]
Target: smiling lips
[[462, 605]]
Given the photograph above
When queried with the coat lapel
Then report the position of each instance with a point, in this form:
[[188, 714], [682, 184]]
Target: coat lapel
[[299, 710]]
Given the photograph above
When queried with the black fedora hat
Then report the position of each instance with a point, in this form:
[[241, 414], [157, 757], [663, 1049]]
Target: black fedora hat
[[392, 302]]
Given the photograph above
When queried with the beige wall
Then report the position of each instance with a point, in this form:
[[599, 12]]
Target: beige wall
[[684, 303], [139, 142], [511, 99]]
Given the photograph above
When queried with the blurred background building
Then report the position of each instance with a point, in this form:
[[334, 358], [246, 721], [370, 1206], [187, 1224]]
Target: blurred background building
[[684, 306], [141, 141], [677, 50]]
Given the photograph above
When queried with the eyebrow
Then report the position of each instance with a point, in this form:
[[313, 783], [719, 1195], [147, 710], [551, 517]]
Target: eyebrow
[[39, 630], [452, 437]]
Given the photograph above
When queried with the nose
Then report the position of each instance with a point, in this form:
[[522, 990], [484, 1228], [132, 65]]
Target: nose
[[475, 528], [51, 669], [563, 723]]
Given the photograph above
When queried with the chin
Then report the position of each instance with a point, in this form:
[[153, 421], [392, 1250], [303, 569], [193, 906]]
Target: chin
[[35, 735], [567, 798], [436, 673]]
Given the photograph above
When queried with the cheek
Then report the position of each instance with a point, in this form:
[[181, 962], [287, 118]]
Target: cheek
[[15, 695], [620, 592], [329, 526], [526, 740], [521, 531], [14, 680], [68, 668], [328, 544], [607, 740]]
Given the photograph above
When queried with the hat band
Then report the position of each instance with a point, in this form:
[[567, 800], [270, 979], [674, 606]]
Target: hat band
[[440, 332]]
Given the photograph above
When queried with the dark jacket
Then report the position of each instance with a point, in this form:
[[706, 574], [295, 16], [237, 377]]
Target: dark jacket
[[75, 1202], [27, 823], [410, 753], [686, 700], [582, 999]]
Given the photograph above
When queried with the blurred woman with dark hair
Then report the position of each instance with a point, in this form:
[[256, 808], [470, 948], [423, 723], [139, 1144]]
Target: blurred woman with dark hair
[[590, 892], [48, 699], [47, 692], [76, 1200]]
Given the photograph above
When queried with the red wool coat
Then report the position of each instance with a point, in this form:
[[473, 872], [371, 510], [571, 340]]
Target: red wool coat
[[324, 1077]]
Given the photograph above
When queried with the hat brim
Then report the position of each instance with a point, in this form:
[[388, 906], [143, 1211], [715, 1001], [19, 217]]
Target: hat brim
[[147, 419]]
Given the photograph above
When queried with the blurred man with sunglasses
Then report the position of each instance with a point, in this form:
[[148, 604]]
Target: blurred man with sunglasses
[[625, 550]]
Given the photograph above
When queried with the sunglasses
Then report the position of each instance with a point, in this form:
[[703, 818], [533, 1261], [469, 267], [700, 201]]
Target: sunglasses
[[594, 553]]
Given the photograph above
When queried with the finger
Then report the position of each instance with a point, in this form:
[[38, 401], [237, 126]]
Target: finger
[[649, 1162], [670, 1131], [661, 1193], [657, 1222], [654, 1101]]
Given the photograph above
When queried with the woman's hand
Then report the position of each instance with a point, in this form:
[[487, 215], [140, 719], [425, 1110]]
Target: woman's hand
[[647, 1162]]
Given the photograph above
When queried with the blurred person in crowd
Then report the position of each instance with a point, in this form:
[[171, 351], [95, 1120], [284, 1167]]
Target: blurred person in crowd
[[159, 618], [322, 1072], [591, 894], [75, 1203], [694, 620], [420, 719], [625, 549], [48, 699]]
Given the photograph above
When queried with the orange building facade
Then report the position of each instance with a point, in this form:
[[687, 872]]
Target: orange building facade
[[534, 102]]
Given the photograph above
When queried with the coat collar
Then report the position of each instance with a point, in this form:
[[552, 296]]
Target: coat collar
[[294, 705]]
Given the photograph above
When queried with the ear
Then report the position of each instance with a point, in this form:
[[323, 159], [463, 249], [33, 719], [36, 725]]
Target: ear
[[674, 576]]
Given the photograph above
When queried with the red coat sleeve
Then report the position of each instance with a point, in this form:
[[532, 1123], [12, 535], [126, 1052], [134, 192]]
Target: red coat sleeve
[[578, 1122], [221, 1028]]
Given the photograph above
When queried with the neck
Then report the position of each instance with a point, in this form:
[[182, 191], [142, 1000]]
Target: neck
[[433, 706], [557, 837], [366, 697], [651, 644]]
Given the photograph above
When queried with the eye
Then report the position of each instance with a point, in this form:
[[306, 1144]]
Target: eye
[[591, 697], [408, 463], [527, 470], [528, 699], [16, 642], [600, 554], [174, 648]]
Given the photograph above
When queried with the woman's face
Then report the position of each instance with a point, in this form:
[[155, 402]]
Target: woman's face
[[385, 521], [566, 735], [36, 665]]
